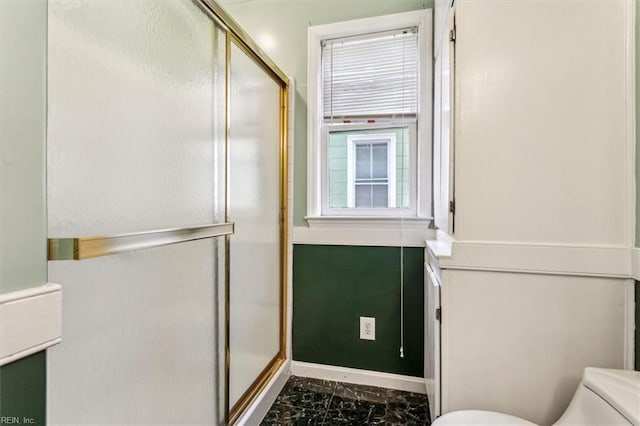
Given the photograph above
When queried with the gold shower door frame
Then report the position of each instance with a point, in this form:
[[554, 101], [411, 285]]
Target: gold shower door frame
[[235, 35]]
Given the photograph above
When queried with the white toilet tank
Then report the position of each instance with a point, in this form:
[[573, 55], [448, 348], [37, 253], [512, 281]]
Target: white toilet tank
[[605, 397]]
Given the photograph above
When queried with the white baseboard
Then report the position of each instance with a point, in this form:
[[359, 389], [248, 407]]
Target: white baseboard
[[260, 407], [359, 377], [30, 321]]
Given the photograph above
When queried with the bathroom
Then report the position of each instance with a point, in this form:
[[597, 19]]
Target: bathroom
[[544, 223]]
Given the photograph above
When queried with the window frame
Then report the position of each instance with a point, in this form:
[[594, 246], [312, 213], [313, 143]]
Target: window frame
[[420, 164], [360, 213]]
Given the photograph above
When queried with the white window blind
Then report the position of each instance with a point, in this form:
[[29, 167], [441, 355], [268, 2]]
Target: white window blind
[[370, 75]]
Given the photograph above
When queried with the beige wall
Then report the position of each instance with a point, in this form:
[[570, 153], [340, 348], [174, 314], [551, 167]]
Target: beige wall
[[280, 29]]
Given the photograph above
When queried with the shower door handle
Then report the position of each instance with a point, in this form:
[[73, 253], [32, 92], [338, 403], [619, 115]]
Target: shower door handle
[[78, 248]]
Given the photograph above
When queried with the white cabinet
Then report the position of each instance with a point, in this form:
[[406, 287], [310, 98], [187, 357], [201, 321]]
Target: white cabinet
[[532, 139], [517, 343], [432, 335]]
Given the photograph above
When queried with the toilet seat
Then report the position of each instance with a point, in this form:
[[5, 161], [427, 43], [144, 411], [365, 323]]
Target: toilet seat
[[480, 418]]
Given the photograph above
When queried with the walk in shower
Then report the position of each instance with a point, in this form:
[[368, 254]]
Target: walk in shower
[[167, 213]]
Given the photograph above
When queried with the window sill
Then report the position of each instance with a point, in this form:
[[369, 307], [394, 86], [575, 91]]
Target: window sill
[[369, 222], [364, 231]]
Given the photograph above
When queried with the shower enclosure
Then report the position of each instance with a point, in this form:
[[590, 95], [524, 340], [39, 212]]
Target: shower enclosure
[[166, 195]]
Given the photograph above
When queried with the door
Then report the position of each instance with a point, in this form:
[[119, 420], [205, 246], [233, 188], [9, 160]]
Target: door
[[444, 130], [449, 118], [256, 326], [136, 136], [432, 340]]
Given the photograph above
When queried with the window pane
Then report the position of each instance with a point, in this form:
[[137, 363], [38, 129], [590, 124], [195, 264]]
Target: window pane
[[380, 195], [379, 160], [371, 195], [377, 155], [363, 161], [363, 195]]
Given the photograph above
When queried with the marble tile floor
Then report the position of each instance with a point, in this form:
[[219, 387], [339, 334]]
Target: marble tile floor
[[306, 401]]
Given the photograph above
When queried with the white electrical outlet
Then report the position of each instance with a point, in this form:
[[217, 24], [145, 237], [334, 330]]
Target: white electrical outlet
[[367, 328]]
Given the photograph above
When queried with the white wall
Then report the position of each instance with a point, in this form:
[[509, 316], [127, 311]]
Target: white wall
[[541, 123]]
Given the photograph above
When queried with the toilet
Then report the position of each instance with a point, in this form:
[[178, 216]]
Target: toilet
[[604, 397]]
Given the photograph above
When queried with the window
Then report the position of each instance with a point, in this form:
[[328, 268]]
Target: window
[[372, 175], [369, 118]]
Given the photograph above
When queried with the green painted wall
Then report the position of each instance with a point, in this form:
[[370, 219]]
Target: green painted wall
[[333, 286], [23, 30], [22, 390], [280, 28]]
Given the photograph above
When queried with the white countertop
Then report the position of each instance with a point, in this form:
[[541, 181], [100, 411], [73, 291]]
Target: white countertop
[[441, 246]]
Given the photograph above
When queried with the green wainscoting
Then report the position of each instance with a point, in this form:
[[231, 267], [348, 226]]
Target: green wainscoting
[[23, 390], [333, 286]]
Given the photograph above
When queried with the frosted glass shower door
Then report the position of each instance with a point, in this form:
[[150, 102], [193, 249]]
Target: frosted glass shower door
[[136, 142], [254, 207]]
